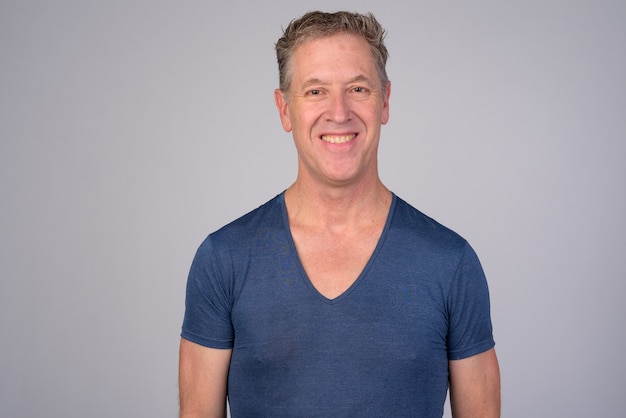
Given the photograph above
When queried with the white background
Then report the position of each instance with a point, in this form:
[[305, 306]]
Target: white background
[[129, 130]]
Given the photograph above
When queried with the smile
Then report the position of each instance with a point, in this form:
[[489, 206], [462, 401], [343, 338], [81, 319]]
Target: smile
[[338, 139]]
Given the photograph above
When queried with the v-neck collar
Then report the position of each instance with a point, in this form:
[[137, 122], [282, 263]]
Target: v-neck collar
[[362, 275]]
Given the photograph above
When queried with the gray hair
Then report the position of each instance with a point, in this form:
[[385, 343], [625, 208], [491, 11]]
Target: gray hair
[[315, 25]]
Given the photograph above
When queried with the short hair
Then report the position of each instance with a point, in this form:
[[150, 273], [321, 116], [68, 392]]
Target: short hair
[[316, 24]]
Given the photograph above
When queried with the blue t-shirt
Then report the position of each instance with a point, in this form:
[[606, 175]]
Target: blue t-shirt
[[379, 349]]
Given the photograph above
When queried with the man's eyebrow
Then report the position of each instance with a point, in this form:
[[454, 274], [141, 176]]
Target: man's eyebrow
[[312, 82], [360, 79], [318, 82]]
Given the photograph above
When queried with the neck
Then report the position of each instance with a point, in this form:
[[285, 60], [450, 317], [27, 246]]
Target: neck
[[337, 207]]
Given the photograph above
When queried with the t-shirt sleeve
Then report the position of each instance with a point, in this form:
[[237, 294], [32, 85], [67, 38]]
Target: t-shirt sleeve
[[470, 330], [207, 304]]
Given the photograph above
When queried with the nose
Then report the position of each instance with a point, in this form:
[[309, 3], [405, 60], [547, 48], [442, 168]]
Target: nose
[[339, 109]]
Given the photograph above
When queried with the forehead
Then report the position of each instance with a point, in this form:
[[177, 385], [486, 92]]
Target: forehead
[[337, 52]]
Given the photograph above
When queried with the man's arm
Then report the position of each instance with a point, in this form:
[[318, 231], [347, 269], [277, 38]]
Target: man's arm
[[475, 386], [202, 380]]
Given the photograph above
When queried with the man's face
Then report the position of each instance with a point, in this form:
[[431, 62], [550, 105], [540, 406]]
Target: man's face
[[335, 108]]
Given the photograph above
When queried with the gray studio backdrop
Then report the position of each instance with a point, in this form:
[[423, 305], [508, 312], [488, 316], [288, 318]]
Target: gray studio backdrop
[[131, 129]]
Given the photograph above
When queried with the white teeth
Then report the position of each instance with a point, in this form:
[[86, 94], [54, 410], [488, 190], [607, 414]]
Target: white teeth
[[337, 139]]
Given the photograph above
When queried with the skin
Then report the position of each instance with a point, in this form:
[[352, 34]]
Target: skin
[[475, 386], [202, 379], [337, 208], [341, 99]]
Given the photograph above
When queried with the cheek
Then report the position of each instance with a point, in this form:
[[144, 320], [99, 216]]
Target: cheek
[[382, 114], [306, 118], [372, 116]]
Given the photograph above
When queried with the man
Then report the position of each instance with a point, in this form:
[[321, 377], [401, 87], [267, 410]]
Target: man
[[336, 298]]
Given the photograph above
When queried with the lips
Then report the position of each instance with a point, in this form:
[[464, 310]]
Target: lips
[[338, 139]]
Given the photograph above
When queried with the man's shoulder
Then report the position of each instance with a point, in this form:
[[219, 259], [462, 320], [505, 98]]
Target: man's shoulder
[[269, 214], [415, 224]]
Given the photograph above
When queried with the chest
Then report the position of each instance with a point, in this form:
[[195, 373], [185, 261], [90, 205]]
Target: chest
[[334, 261], [388, 326]]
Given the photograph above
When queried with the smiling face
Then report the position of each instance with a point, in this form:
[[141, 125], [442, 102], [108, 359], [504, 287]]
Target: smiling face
[[335, 108]]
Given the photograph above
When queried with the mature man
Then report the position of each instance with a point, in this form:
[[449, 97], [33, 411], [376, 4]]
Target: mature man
[[336, 298]]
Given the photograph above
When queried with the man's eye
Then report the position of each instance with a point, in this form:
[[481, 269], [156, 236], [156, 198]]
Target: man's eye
[[315, 94]]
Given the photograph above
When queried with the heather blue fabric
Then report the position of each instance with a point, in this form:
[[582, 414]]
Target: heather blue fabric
[[380, 349]]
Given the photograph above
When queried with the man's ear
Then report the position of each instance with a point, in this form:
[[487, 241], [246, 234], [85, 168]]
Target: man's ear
[[385, 115], [283, 109]]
